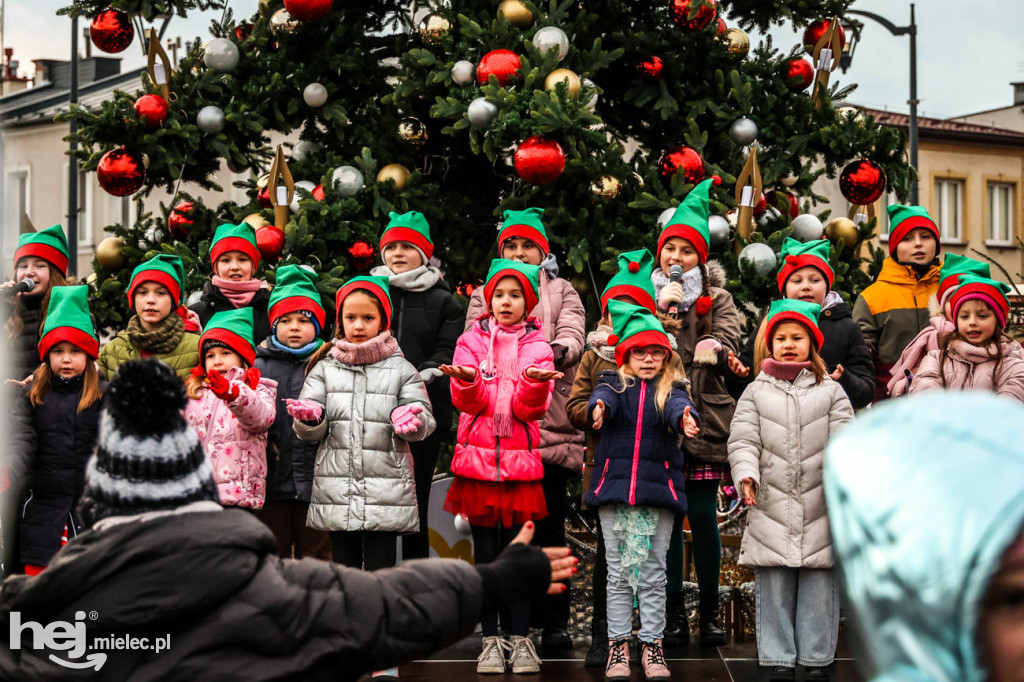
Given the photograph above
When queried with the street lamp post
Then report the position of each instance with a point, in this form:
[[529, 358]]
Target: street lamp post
[[910, 30], [72, 158]]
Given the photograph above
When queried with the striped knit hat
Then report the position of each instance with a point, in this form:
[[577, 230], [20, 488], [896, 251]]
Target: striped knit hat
[[147, 456]]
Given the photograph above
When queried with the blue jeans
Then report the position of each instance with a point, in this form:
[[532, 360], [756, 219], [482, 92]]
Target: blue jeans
[[650, 592], [797, 616]]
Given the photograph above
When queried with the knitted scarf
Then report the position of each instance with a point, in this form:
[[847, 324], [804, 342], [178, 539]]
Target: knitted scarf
[[240, 293], [422, 278], [598, 342], [376, 349], [927, 340], [502, 364], [300, 353], [787, 371], [161, 340]]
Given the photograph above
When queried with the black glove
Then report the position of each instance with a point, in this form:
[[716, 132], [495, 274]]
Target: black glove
[[520, 573]]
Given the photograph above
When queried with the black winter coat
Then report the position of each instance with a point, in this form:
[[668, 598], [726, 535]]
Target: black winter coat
[[213, 582], [289, 460], [50, 447], [844, 344], [214, 301], [22, 351]]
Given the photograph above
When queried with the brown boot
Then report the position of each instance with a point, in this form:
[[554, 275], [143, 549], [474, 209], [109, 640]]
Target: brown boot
[[617, 669], [652, 658]]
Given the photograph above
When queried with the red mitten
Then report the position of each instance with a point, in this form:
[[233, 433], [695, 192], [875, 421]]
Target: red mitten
[[252, 377], [221, 387]]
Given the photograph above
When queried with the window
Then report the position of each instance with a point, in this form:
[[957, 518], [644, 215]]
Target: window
[[1000, 213], [948, 201], [15, 207], [85, 201], [883, 216]]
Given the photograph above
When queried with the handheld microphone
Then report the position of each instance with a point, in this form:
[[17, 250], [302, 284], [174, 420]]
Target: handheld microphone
[[23, 287], [675, 274]]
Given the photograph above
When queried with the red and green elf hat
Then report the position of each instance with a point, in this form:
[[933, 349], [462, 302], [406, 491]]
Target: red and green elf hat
[[68, 319], [903, 219], [794, 310], [528, 276], [408, 227], [50, 244], [230, 237], [690, 221], [954, 267], [990, 291], [526, 224], [633, 279], [233, 328], [163, 269], [796, 255], [296, 292], [376, 286], [634, 327]]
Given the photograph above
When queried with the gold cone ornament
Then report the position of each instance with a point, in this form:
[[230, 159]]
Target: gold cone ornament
[[826, 59], [282, 189]]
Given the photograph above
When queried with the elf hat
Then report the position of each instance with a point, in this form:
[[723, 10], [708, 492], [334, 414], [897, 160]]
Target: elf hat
[[953, 268], [68, 319], [792, 310], [408, 227], [230, 237], [633, 279], [990, 291], [634, 327], [526, 224], [690, 221], [375, 286], [296, 292], [50, 244], [163, 269], [903, 219], [796, 255], [528, 276], [231, 328]]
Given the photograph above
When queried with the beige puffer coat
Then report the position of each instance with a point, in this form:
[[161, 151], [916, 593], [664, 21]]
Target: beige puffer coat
[[778, 439], [969, 367]]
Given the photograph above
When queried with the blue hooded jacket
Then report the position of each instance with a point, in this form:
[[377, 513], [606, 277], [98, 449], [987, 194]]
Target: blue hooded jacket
[[924, 496]]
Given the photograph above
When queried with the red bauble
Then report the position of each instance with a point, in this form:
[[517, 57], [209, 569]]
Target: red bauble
[[270, 241], [539, 160], [761, 206], [682, 159], [794, 204], [153, 108], [111, 30], [814, 32], [121, 172], [721, 27], [243, 31], [502, 63], [263, 197], [651, 67], [862, 182], [308, 10], [466, 288], [318, 192], [361, 254], [179, 222], [680, 10], [799, 74]]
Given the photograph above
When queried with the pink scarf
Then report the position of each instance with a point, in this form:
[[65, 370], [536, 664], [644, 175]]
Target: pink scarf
[[502, 363], [927, 340], [378, 348], [787, 371], [240, 293]]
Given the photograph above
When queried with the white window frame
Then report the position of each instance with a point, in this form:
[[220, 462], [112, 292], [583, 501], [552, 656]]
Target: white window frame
[[85, 202], [883, 217], [12, 222], [995, 204], [941, 188]]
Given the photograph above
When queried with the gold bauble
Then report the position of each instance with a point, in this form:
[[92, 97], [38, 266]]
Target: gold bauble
[[515, 13], [737, 44], [255, 220], [109, 254], [605, 187], [395, 172], [433, 28], [413, 131], [282, 21], [844, 112], [262, 181], [92, 278], [842, 229], [570, 77]]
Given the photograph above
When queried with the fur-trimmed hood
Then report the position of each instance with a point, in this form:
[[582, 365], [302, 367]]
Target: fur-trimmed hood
[[716, 274]]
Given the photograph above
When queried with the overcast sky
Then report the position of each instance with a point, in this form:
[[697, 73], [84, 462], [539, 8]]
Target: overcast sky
[[965, 61]]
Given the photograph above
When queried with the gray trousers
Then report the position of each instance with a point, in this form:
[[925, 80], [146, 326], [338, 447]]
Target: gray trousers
[[650, 593], [797, 616]]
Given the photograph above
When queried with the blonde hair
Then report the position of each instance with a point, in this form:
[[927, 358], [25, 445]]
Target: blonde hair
[[667, 378], [761, 353], [43, 375]]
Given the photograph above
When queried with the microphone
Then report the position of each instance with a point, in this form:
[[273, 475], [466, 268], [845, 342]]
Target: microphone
[[23, 287], [675, 274]]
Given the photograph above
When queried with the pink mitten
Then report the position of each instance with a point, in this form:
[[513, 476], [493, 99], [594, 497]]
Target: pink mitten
[[404, 418], [706, 351], [304, 410]]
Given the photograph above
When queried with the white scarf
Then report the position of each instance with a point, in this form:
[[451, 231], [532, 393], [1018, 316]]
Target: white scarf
[[418, 279], [693, 285]]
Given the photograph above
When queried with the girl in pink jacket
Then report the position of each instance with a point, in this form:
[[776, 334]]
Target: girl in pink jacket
[[231, 407], [503, 373]]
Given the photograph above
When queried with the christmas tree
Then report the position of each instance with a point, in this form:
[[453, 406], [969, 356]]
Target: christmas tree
[[604, 112]]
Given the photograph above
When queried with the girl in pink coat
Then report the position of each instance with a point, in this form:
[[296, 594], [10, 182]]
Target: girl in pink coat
[[231, 407], [503, 373]]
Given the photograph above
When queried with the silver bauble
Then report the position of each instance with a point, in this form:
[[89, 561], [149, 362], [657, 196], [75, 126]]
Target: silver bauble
[[315, 95], [464, 72], [588, 86], [790, 180], [743, 131], [770, 214], [462, 526], [297, 197], [481, 112], [760, 257], [347, 181], [551, 38], [807, 228], [719, 229], [210, 119], [221, 55], [665, 216], [303, 149]]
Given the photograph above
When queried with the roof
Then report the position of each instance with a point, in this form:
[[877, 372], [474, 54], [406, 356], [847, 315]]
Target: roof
[[941, 129], [41, 104]]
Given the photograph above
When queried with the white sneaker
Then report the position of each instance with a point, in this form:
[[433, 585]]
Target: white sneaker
[[492, 659], [385, 675], [524, 658]]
